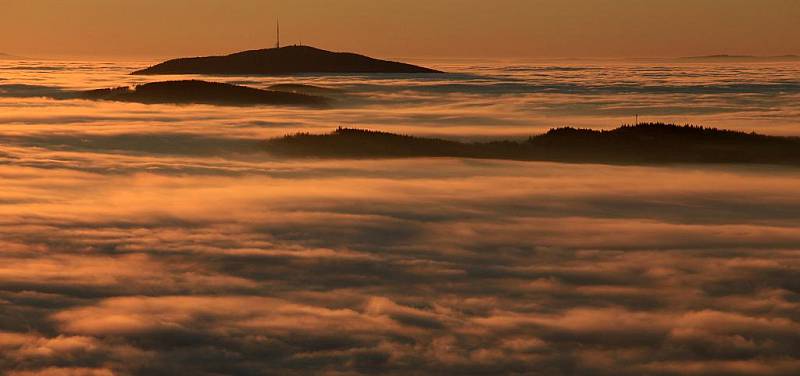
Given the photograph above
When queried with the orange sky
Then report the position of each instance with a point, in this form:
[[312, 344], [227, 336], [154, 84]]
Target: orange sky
[[403, 28]]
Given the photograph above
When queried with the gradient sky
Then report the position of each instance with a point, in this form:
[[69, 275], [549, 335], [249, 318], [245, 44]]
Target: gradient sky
[[403, 28]]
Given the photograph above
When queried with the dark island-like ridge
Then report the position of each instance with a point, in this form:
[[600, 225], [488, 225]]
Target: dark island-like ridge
[[202, 92], [282, 61], [652, 143]]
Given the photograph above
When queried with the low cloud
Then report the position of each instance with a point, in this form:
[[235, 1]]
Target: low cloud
[[476, 267], [131, 245]]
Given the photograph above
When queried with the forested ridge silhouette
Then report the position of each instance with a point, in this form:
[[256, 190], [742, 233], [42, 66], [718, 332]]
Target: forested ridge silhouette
[[202, 92], [648, 143]]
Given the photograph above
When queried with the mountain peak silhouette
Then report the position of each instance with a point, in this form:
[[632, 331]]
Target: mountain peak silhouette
[[282, 61]]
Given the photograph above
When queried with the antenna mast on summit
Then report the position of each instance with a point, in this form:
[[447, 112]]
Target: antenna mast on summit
[[278, 39]]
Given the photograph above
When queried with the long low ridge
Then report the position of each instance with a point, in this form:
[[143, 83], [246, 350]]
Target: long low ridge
[[282, 61]]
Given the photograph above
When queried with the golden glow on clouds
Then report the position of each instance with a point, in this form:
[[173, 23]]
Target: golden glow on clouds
[[430, 264], [159, 239]]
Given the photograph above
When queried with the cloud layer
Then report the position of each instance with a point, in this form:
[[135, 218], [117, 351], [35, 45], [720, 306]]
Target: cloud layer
[[395, 267], [156, 240]]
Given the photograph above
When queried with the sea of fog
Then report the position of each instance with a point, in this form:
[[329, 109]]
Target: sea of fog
[[153, 240]]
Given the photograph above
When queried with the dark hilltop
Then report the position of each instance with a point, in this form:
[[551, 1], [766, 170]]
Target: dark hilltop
[[202, 92], [4, 56], [652, 143], [283, 61], [743, 58]]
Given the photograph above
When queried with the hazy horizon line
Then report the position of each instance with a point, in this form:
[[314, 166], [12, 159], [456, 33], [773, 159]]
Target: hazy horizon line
[[158, 57]]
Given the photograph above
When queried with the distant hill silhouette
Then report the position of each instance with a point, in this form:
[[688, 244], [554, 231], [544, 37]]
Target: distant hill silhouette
[[4, 56], [280, 61], [652, 143], [202, 92], [724, 57]]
